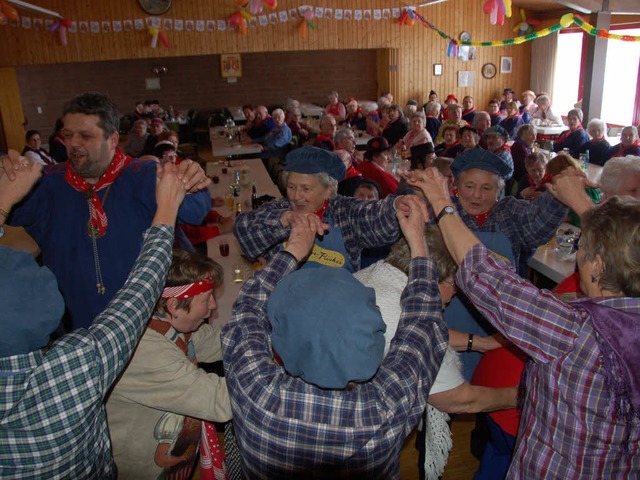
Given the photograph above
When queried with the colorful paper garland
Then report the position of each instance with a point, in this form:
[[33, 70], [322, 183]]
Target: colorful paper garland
[[565, 21]]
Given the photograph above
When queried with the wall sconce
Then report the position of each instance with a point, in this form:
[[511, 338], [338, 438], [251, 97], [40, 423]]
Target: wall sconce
[[160, 70]]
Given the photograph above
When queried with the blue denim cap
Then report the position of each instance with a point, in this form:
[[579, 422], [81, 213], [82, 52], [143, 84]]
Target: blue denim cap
[[32, 305], [326, 327]]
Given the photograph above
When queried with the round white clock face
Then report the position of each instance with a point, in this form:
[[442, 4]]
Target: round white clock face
[[155, 7], [465, 36]]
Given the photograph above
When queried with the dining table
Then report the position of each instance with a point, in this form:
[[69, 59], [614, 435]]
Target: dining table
[[225, 249], [223, 147], [550, 261], [310, 109]]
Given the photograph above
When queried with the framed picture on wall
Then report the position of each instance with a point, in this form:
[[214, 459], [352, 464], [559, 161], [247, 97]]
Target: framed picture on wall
[[437, 69], [505, 64], [231, 65]]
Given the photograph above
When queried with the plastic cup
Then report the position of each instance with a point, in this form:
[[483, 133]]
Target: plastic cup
[[224, 249]]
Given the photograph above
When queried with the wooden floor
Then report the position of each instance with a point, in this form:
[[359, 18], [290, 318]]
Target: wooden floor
[[461, 466]]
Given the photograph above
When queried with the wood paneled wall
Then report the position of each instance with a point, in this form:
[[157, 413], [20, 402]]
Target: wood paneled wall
[[413, 50]]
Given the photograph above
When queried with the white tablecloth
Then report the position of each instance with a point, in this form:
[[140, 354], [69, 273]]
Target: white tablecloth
[[551, 264], [256, 173]]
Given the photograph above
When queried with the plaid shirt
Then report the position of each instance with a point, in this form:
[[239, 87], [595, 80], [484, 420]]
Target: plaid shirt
[[289, 428], [527, 225], [363, 225], [572, 424], [52, 418]]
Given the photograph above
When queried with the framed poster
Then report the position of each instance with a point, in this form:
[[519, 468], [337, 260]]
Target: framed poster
[[230, 65], [505, 64], [437, 69]]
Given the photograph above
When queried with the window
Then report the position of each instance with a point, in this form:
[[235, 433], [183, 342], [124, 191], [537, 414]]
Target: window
[[620, 80], [621, 76]]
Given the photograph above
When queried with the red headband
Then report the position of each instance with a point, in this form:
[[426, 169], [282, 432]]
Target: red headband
[[187, 291]]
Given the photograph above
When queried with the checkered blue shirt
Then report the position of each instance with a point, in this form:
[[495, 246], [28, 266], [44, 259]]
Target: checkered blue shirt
[[572, 424], [362, 224], [52, 418], [288, 428]]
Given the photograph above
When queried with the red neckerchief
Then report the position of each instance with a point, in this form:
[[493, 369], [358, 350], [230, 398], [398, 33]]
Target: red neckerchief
[[467, 112], [623, 150], [325, 138], [390, 123], [539, 187], [321, 210], [482, 217], [42, 153], [565, 134], [352, 172], [354, 116], [503, 147], [98, 215]]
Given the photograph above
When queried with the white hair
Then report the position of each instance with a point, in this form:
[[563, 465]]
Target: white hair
[[614, 170]]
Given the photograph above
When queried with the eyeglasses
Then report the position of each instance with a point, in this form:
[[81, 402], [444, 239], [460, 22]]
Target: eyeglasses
[[170, 155]]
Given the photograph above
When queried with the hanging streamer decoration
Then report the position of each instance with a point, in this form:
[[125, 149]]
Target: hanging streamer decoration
[[157, 34], [564, 22], [61, 26], [526, 25], [306, 21]]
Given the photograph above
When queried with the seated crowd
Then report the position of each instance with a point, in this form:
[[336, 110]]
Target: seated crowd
[[395, 292]]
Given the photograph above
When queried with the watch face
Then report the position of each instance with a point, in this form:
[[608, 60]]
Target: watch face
[[155, 7], [488, 70]]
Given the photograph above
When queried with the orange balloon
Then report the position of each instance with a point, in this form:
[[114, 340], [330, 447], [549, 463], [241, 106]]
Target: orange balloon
[[302, 31], [409, 22], [9, 12]]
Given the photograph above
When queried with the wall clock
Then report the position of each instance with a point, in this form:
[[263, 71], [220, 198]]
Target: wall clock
[[465, 36], [155, 7], [488, 70]]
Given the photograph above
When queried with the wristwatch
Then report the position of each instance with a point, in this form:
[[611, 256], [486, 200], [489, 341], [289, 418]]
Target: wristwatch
[[1, 231], [448, 210]]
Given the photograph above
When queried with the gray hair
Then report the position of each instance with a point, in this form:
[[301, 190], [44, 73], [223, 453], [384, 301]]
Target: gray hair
[[577, 112], [420, 115], [324, 178], [278, 112], [479, 115], [432, 107], [633, 129], [596, 122], [614, 170], [342, 134], [543, 99], [400, 254]]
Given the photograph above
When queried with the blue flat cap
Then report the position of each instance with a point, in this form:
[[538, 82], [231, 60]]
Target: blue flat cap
[[480, 158], [315, 160], [496, 130], [31, 303], [326, 327]]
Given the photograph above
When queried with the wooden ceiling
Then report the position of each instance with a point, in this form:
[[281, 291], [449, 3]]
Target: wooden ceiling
[[581, 6]]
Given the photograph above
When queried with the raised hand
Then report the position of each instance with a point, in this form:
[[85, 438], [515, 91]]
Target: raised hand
[[193, 176], [433, 185], [412, 219], [304, 228], [170, 192], [289, 217], [15, 183]]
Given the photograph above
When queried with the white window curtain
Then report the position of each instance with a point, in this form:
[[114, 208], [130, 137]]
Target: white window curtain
[[543, 63]]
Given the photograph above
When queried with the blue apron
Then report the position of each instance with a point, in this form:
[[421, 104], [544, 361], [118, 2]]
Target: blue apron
[[462, 315], [329, 250]]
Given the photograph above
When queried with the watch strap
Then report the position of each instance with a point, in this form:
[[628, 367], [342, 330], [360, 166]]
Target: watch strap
[[448, 210]]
